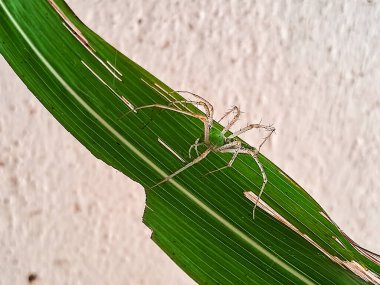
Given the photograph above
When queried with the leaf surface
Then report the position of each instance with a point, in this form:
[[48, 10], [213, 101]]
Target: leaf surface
[[203, 222]]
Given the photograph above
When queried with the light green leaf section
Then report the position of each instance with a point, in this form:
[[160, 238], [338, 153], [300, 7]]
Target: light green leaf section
[[204, 223]]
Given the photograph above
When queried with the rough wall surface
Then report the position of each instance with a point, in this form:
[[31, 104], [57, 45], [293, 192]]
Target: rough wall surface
[[310, 67]]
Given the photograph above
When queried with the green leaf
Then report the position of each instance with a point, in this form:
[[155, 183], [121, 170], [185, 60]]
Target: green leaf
[[203, 222]]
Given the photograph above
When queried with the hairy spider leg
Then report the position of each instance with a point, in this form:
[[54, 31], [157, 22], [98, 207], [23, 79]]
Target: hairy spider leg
[[234, 119], [195, 146], [198, 159], [254, 153], [203, 118], [209, 112], [171, 109], [234, 148], [270, 129], [203, 104], [234, 108], [265, 180], [237, 149], [210, 107], [232, 145]]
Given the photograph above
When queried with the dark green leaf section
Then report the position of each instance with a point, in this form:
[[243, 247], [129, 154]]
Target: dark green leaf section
[[204, 223]]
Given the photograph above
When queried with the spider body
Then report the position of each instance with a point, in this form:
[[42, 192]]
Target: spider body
[[214, 139], [217, 138]]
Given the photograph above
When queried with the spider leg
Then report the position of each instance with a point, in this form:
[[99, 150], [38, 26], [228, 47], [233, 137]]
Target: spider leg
[[195, 146], [203, 104], [236, 152], [254, 153], [198, 159], [265, 180], [198, 116], [208, 104], [203, 118], [210, 108], [234, 119], [159, 106], [233, 147], [270, 129], [209, 113], [207, 120], [229, 146]]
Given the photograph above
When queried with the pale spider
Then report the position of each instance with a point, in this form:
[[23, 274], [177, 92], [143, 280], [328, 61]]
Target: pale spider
[[214, 139]]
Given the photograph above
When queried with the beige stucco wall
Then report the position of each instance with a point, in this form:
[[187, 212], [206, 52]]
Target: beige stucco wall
[[310, 67]]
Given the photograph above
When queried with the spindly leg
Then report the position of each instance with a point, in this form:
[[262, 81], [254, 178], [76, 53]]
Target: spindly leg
[[201, 103], [210, 115], [159, 106], [234, 119], [234, 148], [210, 107], [198, 159], [270, 129], [203, 118], [236, 152], [206, 107], [254, 153], [265, 180], [195, 146], [198, 116]]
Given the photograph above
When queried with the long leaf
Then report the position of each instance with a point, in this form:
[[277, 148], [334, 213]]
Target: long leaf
[[204, 223]]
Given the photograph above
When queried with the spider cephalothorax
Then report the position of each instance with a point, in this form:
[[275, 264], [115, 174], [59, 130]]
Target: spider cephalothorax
[[214, 139]]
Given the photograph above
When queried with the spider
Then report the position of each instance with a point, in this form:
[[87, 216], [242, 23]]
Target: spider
[[216, 140]]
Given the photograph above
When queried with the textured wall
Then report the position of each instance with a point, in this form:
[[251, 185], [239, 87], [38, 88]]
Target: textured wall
[[310, 67]]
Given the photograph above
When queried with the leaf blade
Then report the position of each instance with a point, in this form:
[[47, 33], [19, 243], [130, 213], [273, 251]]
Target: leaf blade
[[85, 105]]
